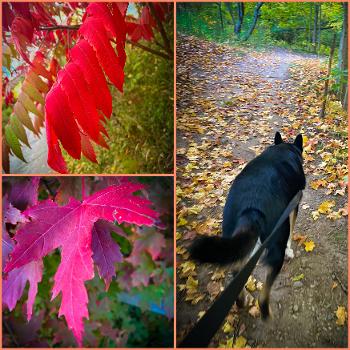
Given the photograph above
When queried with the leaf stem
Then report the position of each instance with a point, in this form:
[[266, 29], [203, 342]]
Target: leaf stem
[[60, 27], [83, 188]]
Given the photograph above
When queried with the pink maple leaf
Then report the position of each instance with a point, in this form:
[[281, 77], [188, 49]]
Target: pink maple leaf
[[70, 228]]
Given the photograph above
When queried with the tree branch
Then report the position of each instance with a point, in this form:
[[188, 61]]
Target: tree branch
[[161, 30], [148, 49], [59, 27]]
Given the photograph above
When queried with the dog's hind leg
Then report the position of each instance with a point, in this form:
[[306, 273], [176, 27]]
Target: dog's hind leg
[[264, 297], [274, 261], [292, 218]]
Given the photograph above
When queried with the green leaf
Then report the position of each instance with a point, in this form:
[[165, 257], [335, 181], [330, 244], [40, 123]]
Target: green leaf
[[13, 142], [19, 130], [23, 116], [32, 92]]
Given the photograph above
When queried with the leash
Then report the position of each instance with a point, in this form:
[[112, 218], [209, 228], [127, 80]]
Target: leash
[[207, 326]]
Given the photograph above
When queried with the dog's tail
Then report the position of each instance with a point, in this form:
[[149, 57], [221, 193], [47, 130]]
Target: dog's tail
[[223, 250]]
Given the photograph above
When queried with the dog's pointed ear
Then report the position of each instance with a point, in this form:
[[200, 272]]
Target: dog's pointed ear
[[278, 138], [299, 142]]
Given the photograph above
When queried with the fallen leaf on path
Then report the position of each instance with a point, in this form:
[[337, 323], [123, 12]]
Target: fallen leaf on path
[[325, 207], [250, 285], [298, 278], [299, 238], [341, 316], [309, 246]]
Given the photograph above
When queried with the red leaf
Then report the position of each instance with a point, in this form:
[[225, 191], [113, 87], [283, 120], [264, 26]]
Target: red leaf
[[22, 35], [72, 82], [54, 159], [60, 118], [84, 55], [93, 31], [70, 227]]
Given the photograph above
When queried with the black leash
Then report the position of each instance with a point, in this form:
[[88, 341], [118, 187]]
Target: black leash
[[207, 326]]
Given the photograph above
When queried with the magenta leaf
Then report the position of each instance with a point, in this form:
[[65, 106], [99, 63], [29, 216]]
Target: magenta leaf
[[24, 193], [11, 214], [106, 251], [14, 283], [13, 286], [70, 227]]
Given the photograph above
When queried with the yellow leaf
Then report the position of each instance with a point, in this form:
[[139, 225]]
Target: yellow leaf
[[299, 277], [250, 285], [227, 328], [309, 246], [334, 285], [341, 315], [188, 269], [182, 222], [315, 215], [325, 207], [228, 344], [200, 315], [240, 342]]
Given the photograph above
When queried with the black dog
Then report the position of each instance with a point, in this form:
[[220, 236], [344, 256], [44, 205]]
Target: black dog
[[257, 198]]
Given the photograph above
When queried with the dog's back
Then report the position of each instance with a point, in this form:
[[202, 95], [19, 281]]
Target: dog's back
[[264, 188]]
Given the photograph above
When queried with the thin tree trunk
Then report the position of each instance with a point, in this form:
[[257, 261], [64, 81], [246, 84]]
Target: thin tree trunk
[[310, 21], [326, 84], [240, 13], [257, 14], [343, 58], [314, 34], [220, 15], [230, 11], [319, 29]]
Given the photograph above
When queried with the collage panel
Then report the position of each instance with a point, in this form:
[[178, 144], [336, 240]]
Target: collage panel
[[262, 173], [97, 253], [88, 88]]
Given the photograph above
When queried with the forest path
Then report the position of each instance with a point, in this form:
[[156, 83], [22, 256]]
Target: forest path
[[230, 102]]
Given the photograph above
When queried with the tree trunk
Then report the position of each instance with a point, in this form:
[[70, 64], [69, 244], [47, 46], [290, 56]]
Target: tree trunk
[[220, 15], [257, 14], [343, 58], [319, 29], [240, 13], [310, 21], [230, 11], [314, 34], [326, 84]]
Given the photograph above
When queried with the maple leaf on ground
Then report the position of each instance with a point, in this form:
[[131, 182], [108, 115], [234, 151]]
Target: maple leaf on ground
[[70, 227]]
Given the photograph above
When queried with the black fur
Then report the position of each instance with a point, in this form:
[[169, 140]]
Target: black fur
[[257, 198]]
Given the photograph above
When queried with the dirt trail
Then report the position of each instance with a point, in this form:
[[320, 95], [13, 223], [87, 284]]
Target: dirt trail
[[233, 101]]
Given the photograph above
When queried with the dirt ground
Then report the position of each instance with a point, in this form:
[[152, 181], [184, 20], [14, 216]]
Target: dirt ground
[[230, 103]]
